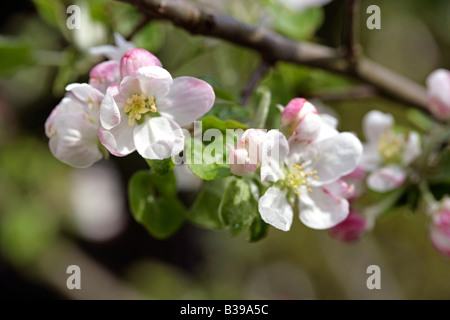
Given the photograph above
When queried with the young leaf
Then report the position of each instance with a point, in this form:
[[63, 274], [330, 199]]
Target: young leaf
[[258, 229], [205, 212], [238, 208], [154, 204]]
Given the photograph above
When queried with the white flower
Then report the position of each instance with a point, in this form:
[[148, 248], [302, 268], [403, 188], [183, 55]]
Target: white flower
[[73, 125], [113, 52], [440, 227], [386, 152], [301, 5], [312, 173], [145, 110], [247, 155]]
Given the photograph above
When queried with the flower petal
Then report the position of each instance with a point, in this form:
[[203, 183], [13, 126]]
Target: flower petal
[[321, 209], [440, 240], [334, 157], [412, 148], [371, 157], [109, 110], [188, 99], [275, 151], [152, 81], [275, 209], [74, 140], [386, 178], [118, 140], [375, 123], [158, 138]]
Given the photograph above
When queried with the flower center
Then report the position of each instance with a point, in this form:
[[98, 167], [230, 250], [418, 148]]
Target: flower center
[[137, 105], [390, 146], [299, 179]]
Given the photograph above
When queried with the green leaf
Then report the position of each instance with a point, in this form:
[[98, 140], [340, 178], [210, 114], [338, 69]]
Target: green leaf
[[238, 208], [161, 167], [258, 229], [206, 171], [260, 118], [205, 212], [227, 111], [212, 122], [154, 204], [14, 55]]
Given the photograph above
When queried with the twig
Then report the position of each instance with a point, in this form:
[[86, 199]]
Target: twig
[[274, 47], [257, 75], [142, 23], [350, 43]]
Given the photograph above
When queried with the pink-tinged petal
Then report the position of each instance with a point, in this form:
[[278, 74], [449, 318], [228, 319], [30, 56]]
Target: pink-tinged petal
[[341, 189], [349, 230], [412, 148], [158, 138], [189, 98], [103, 74], [386, 178], [440, 241], [375, 123], [275, 152], [438, 83], [85, 92], [294, 113], [308, 128], [135, 59], [334, 157], [119, 140], [275, 209], [110, 115], [66, 106], [252, 140], [74, 140], [371, 157], [152, 81], [322, 210], [240, 163], [357, 174]]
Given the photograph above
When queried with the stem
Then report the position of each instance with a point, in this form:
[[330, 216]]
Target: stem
[[256, 77], [274, 47], [139, 26], [350, 35]]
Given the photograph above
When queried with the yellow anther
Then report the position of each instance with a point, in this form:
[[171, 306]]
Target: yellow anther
[[309, 190], [316, 177], [137, 105]]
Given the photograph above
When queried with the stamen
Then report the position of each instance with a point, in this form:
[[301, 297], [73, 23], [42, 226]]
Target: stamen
[[137, 105]]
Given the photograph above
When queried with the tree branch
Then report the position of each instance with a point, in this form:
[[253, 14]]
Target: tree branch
[[349, 36], [274, 47], [257, 75]]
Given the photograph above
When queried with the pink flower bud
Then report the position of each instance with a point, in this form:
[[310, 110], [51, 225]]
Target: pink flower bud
[[240, 162], [135, 59], [300, 120], [440, 228], [351, 229], [103, 74], [438, 83]]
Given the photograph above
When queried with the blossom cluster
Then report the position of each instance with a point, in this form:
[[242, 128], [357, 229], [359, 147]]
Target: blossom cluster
[[306, 167]]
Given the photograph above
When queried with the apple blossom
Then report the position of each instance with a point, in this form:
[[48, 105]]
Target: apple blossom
[[440, 227], [137, 58], [438, 83], [386, 152], [301, 5], [312, 174], [73, 125], [247, 155], [145, 110]]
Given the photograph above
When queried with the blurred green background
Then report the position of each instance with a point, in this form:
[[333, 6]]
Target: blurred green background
[[52, 216]]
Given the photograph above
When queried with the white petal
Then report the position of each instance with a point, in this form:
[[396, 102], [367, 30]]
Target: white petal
[[152, 81], [412, 148], [300, 5], [158, 138], [371, 158], [375, 123], [188, 99], [109, 110], [275, 151], [74, 140], [386, 178], [118, 140], [440, 240], [275, 209], [341, 189], [308, 129], [321, 210], [334, 157], [329, 120]]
